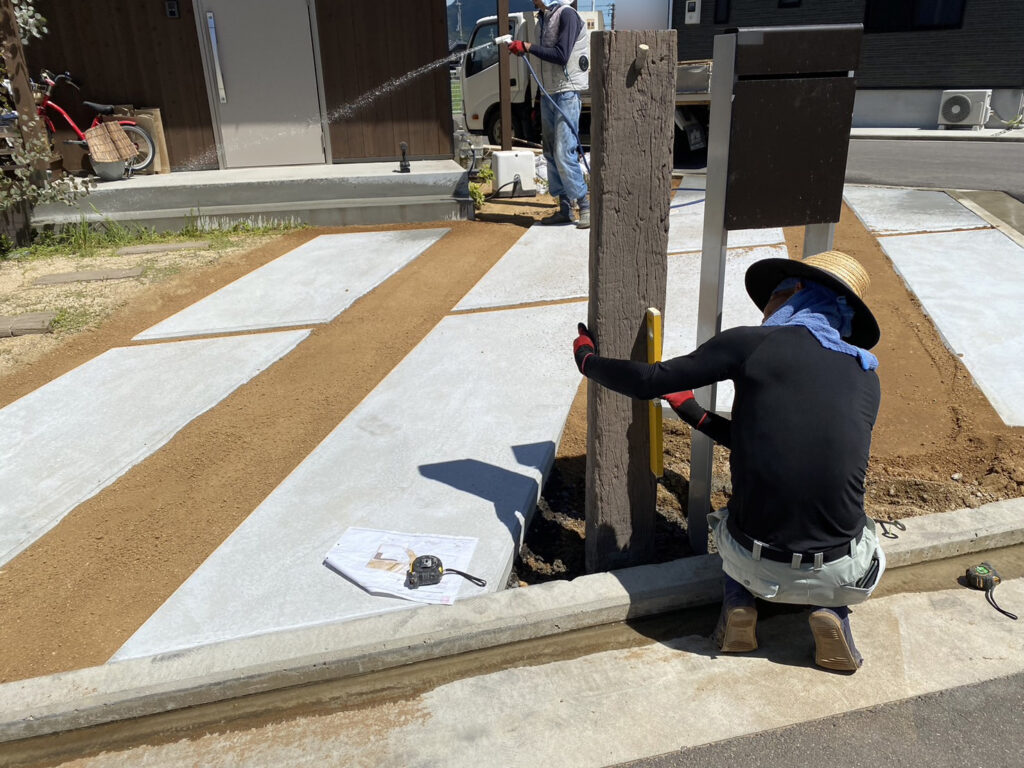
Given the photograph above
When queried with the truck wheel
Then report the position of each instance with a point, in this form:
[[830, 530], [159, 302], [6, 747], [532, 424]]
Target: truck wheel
[[493, 127]]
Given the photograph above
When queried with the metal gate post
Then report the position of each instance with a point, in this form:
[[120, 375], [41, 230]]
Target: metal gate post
[[818, 238], [712, 277]]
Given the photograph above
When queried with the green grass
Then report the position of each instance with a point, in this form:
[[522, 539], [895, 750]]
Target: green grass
[[87, 239], [71, 319]]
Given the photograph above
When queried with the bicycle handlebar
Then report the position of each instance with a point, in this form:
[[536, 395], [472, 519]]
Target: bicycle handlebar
[[52, 80]]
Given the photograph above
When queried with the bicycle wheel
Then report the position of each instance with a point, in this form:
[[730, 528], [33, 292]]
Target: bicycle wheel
[[144, 142]]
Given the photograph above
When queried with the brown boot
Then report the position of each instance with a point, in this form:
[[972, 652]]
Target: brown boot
[[737, 624], [833, 640]]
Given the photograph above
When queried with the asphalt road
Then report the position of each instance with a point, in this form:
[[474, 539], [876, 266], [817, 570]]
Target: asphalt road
[[975, 725], [954, 164]]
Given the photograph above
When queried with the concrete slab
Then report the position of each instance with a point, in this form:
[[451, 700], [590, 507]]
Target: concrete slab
[[737, 309], [686, 222], [888, 211], [979, 317], [310, 284], [222, 671], [613, 706], [19, 325], [88, 275], [547, 263], [71, 438], [478, 431], [1003, 212]]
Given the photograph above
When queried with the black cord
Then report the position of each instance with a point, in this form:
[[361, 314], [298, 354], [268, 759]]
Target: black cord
[[516, 180], [885, 530], [477, 580], [992, 602]]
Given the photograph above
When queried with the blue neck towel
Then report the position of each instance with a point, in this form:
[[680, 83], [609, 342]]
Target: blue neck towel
[[825, 314]]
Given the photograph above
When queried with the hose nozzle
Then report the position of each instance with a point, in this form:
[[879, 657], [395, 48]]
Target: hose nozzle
[[503, 40]]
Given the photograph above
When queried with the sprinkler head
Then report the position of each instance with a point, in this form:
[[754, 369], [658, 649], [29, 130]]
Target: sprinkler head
[[503, 40], [403, 164]]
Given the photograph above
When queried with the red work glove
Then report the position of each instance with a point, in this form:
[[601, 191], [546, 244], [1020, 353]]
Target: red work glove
[[517, 47], [583, 347], [676, 399], [687, 407]]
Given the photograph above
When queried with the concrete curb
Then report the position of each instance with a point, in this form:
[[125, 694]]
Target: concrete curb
[[140, 687], [985, 134]]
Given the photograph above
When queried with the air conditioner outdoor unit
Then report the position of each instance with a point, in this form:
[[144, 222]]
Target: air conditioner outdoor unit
[[964, 109]]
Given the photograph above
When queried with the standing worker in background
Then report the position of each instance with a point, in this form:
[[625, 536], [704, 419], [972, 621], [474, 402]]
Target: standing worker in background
[[807, 396], [564, 52]]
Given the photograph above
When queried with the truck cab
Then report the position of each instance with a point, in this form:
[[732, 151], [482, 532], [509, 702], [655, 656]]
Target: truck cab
[[478, 73]]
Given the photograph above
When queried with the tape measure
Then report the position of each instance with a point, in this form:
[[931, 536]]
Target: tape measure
[[427, 570], [986, 578]]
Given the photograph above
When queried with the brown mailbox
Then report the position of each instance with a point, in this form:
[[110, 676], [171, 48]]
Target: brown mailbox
[[793, 92]]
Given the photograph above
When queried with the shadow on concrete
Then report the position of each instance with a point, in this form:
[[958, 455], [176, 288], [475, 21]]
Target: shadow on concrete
[[783, 634], [514, 495]]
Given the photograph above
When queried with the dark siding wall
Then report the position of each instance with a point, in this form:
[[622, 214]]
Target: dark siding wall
[[363, 47], [129, 52], [985, 53]]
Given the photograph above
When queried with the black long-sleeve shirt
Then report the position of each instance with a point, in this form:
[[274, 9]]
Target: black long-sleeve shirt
[[801, 428]]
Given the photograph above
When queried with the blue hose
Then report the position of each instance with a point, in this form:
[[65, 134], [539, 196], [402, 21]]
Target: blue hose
[[575, 132]]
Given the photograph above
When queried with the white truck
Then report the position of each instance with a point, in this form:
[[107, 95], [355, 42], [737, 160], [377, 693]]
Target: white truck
[[481, 100]]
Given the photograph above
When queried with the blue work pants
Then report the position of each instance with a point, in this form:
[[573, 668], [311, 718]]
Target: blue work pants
[[565, 177]]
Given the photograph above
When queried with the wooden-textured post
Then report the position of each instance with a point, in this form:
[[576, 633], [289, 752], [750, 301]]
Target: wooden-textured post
[[633, 99]]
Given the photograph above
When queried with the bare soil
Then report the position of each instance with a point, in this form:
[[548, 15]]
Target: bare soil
[[938, 444]]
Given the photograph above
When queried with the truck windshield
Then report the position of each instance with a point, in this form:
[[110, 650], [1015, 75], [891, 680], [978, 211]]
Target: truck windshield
[[481, 59]]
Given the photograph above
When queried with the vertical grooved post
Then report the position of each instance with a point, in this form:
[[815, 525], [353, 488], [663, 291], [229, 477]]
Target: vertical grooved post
[[632, 126]]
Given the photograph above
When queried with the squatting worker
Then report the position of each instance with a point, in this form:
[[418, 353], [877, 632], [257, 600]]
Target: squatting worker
[[563, 48], [807, 396]]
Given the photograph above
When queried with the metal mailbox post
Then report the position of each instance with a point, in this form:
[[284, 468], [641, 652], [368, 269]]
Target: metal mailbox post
[[781, 111]]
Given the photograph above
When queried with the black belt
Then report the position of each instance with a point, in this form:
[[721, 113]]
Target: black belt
[[769, 552]]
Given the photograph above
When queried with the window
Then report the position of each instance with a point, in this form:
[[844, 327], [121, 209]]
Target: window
[[721, 11], [913, 15], [486, 56]]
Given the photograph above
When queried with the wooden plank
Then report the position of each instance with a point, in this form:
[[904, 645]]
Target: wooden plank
[[632, 128], [88, 276], [149, 120], [22, 325]]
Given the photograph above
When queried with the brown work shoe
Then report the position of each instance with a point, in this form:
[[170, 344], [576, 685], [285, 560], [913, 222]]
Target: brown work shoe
[[833, 641], [561, 217], [736, 630]]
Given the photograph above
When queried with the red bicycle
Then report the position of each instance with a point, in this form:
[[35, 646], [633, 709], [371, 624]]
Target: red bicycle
[[138, 135]]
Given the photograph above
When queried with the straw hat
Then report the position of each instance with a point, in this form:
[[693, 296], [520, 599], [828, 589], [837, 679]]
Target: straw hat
[[833, 269]]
